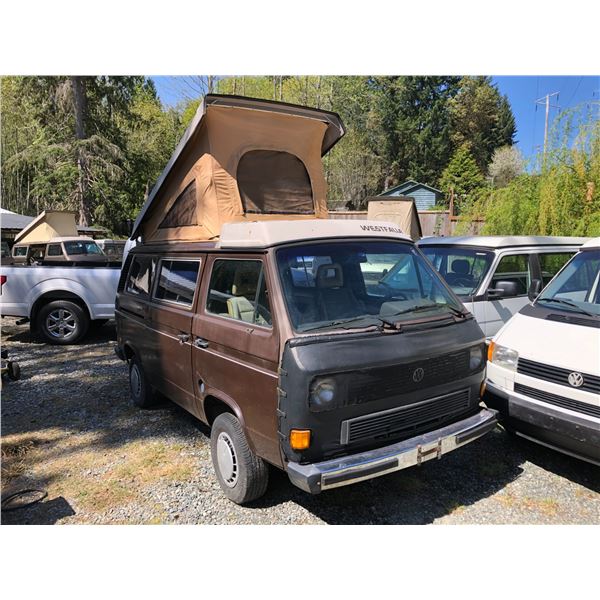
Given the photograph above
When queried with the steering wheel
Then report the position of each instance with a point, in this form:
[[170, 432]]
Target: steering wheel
[[462, 283], [393, 293]]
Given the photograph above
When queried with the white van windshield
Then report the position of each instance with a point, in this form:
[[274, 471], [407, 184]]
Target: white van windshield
[[462, 268], [358, 284], [577, 287]]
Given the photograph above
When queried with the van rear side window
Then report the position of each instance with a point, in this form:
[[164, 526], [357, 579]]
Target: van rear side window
[[177, 281], [140, 275]]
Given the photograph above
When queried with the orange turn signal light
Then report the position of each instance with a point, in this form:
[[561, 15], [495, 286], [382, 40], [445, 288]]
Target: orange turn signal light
[[490, 351], [300, 439]]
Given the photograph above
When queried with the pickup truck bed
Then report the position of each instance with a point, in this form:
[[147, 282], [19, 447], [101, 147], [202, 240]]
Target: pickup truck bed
[[60, 302]]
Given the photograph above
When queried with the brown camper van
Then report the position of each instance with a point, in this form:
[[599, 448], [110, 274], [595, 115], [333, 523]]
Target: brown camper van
[[282, 334]]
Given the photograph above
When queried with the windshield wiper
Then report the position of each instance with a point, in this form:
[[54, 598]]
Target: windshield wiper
[[340, 322], [568, 303], [422, 307]]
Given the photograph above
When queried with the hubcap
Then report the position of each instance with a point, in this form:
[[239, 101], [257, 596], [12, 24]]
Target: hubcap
[[227, 459], [61, 323], [135, 381]]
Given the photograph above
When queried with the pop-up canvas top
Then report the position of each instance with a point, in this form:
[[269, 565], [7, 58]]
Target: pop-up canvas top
[[241, 159]]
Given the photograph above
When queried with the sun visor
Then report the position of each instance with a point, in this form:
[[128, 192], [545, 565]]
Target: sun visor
[[241, 159]]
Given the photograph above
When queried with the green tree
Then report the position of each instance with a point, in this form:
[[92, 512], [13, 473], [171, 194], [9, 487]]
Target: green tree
[[481, 119], [462, 178]]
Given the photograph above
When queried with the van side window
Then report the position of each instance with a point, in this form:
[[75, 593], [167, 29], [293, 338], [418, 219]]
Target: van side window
[[514, 267], [54, 250], [177, 281], [552, 263], [238, 290], [140, 276], [20, 251]]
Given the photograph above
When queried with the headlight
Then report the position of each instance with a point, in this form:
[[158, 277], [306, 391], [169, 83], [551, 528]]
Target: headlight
[[475, 358], [322, 395], [503, 357]]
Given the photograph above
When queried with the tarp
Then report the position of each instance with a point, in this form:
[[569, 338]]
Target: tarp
[[401, 210], [241, 159]]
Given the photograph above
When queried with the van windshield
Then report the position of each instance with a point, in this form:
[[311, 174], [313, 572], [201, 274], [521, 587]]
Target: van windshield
[[358, 284], [577, 287], [83, 247], [462, 268]]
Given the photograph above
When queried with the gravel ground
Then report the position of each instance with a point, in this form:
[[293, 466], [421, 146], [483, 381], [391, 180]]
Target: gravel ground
[[68, 427]]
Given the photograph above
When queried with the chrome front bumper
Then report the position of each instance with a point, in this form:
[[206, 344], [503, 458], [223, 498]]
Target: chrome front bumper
[[316, 477]]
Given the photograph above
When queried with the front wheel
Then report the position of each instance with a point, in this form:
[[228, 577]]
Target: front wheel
[[242, 475], [62, 322]]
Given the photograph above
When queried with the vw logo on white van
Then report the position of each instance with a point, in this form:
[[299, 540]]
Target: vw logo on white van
[[418, 375], [576, 379]]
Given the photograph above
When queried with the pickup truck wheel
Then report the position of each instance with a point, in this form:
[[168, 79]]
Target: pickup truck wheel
[[242, 475], [142, 393], [62, 322]]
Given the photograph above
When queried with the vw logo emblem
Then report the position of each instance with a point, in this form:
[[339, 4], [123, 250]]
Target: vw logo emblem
[[575, 379], [418, 375]]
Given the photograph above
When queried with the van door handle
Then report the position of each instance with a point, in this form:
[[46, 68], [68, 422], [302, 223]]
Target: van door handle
[[183, 338], [201, 343]]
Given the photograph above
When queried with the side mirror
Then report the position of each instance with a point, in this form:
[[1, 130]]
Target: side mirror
[[534, 289], [503, 289]]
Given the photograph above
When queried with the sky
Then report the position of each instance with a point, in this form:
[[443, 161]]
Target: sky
[[522, 92]]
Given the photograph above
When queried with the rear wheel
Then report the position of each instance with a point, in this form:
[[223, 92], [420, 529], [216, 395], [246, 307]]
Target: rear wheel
[[242, 475], [142, 393], [62, 322]]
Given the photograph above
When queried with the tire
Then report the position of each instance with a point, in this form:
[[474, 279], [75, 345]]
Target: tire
[[62, 322], [242, 475], [97, 323], [141, 392], [14, 371]]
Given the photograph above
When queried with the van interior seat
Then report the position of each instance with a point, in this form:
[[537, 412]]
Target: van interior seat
[[335, 300], [460, 271], [244, 284]]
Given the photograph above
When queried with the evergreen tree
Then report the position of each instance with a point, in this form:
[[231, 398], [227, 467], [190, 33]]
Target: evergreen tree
[[463, 178]]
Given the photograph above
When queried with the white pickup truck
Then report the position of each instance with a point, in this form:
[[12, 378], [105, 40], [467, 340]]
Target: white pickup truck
[[59, 302]]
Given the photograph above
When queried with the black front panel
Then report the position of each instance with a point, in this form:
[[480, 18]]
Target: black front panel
[[574, 405], [390, 423], [378, 372], [591, 383]]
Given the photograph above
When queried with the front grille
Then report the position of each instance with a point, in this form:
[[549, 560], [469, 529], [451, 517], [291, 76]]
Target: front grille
[[396, 421], [591, 383], [386, 382], [576, 405]]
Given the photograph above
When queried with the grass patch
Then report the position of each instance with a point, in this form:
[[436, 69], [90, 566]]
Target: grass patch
[[14, 455]]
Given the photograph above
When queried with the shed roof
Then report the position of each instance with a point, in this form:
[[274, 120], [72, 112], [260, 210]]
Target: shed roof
[[12, 220], [408, 186]]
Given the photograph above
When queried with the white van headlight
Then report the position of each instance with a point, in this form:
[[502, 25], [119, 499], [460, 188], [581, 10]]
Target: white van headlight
[[322, 395], [503, 356]]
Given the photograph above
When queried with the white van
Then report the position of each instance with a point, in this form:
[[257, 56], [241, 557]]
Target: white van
[[492, 275], [543, 373]]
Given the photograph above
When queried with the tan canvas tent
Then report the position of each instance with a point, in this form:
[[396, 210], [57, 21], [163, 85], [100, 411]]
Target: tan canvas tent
[[401, 210], [49, 224], [241, 159]]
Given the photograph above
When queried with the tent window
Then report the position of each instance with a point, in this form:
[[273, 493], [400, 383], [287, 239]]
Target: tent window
[[271, 181], [183, 211]]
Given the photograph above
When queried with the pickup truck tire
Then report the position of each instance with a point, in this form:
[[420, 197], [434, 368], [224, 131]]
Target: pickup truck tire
[[62, 322], [142, 393], [242, 475]]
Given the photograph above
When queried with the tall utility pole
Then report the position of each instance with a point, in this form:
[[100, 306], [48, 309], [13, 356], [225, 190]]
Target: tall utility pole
[[546, 100]]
